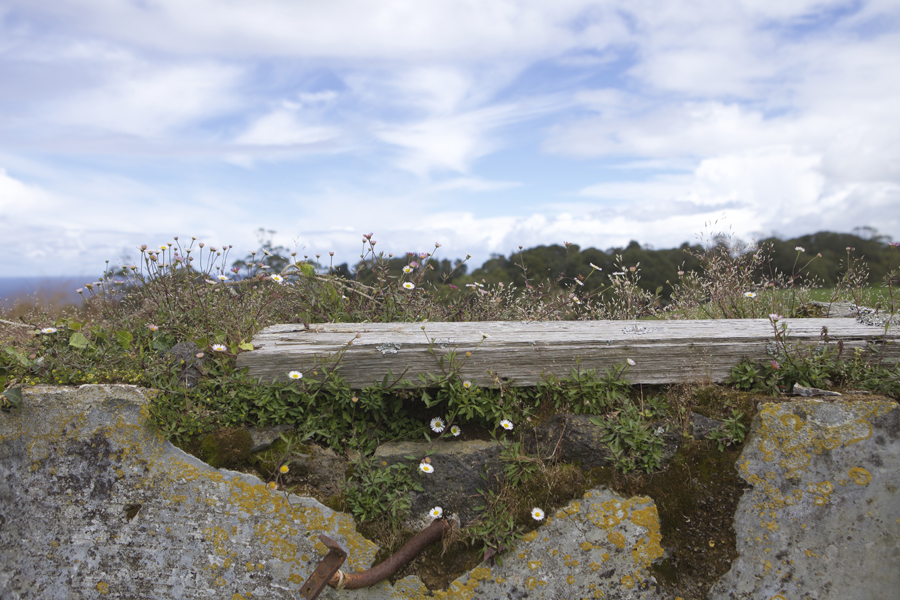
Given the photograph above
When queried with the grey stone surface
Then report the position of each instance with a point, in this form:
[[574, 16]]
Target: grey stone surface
[[600, 546], [834, 310], [822, 519], [263, 437], [570, 438], [809, 392], [94, 504], [701, 426], [458, 467]]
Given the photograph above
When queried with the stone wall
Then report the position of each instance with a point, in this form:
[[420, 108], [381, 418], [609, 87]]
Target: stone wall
[[94, 504]]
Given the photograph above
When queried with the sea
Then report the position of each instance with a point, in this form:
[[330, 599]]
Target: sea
[[60, 290]]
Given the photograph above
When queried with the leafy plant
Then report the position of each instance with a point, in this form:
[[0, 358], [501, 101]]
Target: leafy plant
[[495, 528], [730, 433], [745, 375], [631, 439], [377, 492], [585, 391]]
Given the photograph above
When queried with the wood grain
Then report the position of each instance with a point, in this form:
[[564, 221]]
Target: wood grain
[[521, 353]]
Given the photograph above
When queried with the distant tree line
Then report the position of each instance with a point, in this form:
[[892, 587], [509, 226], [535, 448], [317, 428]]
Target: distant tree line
[[658, 269]]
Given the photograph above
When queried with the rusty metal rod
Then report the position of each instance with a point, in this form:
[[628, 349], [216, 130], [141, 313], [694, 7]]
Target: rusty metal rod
[[361, 579]]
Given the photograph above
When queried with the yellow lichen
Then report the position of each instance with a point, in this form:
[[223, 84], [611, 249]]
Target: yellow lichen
[[821, 491], [860, 476]]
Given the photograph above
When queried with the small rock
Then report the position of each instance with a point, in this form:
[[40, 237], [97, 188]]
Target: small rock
[[600, 545], [458, 468], [571, 439], [816, 309], [263, 437], [800, 390], [701, 426], [185, 355]]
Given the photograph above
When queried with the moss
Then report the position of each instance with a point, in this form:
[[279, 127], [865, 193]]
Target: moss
[[191, 445], [696, 496], [717, 402], [266, 461], [227, 448], [335, 503]]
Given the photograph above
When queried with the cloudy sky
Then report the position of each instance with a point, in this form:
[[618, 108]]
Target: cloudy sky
[[480, 125]]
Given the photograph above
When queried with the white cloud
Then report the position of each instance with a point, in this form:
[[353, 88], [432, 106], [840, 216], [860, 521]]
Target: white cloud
[[472, 184], [20, 203], [282, 128], [150, 100], [393, 29]]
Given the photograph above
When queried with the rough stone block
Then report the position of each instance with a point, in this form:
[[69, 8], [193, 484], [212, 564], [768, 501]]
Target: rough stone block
[[93, 503], [600, 546], [822, 519]]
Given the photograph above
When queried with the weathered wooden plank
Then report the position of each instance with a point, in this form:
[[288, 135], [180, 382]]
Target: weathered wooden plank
[[520, 353]]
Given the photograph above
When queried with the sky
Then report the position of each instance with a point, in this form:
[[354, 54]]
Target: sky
[[481, 126]]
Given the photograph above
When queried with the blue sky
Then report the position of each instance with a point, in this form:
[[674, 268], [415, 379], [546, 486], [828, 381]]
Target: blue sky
[[479, 125]]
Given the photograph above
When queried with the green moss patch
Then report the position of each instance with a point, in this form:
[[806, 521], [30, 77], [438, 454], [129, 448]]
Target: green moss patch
[[226, 448]]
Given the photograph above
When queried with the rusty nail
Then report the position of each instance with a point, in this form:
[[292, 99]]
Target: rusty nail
[[355, 581], [323, 573]]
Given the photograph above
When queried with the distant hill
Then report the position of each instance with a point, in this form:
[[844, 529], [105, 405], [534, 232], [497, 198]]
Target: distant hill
[[657, 267]]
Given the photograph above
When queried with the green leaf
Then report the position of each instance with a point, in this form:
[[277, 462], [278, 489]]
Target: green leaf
[[74, 325], [23, 360], [78, 340], [13, 396], [245, 346], [124, 338]]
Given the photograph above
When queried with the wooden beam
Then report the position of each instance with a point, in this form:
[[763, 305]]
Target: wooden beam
[[520, 353]]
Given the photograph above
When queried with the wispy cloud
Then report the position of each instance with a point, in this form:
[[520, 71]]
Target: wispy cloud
[[483, 126]]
